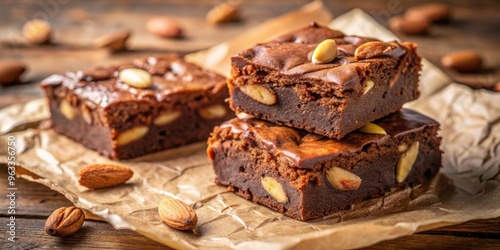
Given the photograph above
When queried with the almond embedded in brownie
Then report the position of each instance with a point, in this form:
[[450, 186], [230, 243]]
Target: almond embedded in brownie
[[277, 82], [307, 176], [100, 111]]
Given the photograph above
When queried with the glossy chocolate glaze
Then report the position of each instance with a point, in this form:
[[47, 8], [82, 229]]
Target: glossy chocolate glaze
[[306, 150], [290, 54], [172, 77]]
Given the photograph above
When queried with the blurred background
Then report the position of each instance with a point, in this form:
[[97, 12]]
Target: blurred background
[[81, 29]]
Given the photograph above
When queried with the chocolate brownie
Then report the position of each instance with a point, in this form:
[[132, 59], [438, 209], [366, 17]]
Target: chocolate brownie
[[307, 176], [140, 107], [367, 80]]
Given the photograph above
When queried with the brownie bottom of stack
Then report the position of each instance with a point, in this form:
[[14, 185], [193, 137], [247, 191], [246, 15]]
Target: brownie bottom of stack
[[307, 176]]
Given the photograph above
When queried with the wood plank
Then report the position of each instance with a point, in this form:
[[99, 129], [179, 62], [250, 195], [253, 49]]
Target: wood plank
[[33, 200], [423, 241], [30, 234]]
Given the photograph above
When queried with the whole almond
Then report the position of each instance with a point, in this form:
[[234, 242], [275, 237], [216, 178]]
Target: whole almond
[[11, 71], [177, 214], [64, 221], [164, 27], [116, 41], [431, 12], [223, 13], [465, 61], [325, 52], [37, 31], [96, 176], [409, 26], [135, 77]]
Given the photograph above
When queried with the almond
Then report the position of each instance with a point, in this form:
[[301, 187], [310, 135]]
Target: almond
[[177, 214], [64, 221], [222, 13], [274, 188], [405, 163], [432, 12], [325, 52], [409, 26], [464, 61], [11, 71], [67, 110], [216, 111], [115, 41], [377, 49], [259, 93], [164, 27], [342, 179], [137, 78], [368, 86], [131, 135], [167, 117], [96, 176], [372, 128], [37, 31]]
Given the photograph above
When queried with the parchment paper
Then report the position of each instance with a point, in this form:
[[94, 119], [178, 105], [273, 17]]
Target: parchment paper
[[470, 127]]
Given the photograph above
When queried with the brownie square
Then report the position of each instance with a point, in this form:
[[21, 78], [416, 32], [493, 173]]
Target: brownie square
[[307, 176], [278, 82], [102, 110]]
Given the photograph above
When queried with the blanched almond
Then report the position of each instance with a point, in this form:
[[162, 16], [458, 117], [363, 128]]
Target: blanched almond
[[131, 135], [259, 93], [213, 112], [405, 163], [274, 188], [325, 52], [372, 128], [342, 179], [167, 117]]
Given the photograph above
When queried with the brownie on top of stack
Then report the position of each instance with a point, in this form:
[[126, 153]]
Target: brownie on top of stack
[[326, 129]]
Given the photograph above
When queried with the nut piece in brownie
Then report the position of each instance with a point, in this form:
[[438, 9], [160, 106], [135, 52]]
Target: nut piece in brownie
[[331, 90], [137, 108], [307, 176]]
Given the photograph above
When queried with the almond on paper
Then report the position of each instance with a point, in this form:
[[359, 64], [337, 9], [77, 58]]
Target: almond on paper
[[177, 214], [97, 176]]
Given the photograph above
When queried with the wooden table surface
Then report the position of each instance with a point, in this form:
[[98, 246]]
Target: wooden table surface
[[475, 25]]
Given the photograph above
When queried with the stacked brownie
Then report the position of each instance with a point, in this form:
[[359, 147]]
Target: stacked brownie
[[135, 108], [323, 126]]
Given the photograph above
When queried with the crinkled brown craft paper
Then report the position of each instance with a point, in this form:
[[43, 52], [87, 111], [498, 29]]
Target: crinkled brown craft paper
[[470, 127]]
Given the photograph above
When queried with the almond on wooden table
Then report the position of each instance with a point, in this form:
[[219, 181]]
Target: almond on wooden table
[[96, 176], [223, 13], [37, 31], [64, 221], [11, 71]]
